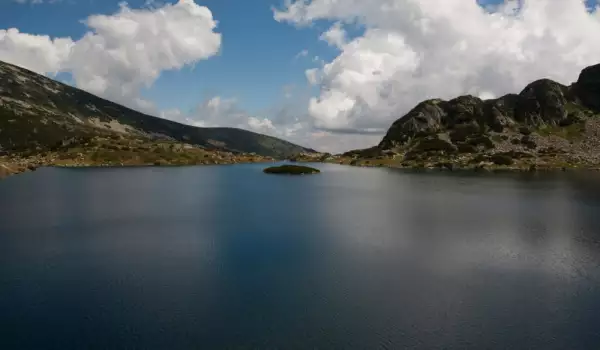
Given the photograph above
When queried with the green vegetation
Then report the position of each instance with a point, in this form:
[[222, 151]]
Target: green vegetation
[[38, 112], [570, 132], [291, 170], [115, 151]]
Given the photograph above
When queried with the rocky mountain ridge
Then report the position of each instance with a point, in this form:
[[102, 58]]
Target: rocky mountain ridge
[[546, 126]]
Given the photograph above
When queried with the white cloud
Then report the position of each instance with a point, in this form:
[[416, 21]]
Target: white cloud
[[302, 53], [128, 50], [335, 36], [219, 111], [39, 53], [223, 112], [123, 52], [412, 50], [312, 75], [284, 123]]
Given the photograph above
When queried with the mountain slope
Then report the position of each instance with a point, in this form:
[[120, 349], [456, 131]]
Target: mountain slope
[[547, 125], [36, 113]]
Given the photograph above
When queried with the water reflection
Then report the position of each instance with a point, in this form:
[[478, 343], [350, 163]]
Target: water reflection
[[223, 257]]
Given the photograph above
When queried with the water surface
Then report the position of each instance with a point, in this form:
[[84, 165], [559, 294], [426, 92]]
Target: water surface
[[229, 257]]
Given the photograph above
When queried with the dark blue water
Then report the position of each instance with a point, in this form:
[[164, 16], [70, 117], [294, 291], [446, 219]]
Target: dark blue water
[[228, 257]]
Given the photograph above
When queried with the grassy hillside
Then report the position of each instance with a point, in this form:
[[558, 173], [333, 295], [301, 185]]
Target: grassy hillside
[[37, 113]]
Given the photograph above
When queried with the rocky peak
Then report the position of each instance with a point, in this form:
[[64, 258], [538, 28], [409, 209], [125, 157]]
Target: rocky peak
[[463, 110], [590, 76], [426, 117], [542, 102], [588, 87]]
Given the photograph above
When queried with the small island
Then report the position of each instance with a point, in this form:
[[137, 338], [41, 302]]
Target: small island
[[291, 170]]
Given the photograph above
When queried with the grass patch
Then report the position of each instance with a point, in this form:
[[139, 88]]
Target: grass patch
[[574, 108], [571, 132]]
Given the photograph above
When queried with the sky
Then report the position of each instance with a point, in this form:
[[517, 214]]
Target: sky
[[328, 74]]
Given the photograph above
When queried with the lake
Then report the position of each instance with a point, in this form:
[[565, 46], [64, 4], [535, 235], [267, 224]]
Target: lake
[[228, 257]]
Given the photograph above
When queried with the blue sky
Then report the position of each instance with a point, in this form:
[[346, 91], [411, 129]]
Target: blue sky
[[387, 59], [257, 59]]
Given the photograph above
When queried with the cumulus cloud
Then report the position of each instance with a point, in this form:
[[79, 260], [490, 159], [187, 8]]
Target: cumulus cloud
[[122, 52], [39, 53], [128, 50], [411, 50]]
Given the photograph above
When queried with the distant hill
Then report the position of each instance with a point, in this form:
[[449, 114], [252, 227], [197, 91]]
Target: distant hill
[[37, 113]]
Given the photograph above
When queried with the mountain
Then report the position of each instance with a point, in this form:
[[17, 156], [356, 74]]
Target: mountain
[[546, 126], [38, 113]]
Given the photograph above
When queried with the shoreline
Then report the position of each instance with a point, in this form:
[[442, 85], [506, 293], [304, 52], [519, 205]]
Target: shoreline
[[486, 168], [10, 169], [13, 168]]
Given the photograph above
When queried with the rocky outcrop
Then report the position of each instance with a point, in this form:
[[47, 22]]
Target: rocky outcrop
[[587, 87], [542, 103], [424, 119], [469, 132]]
